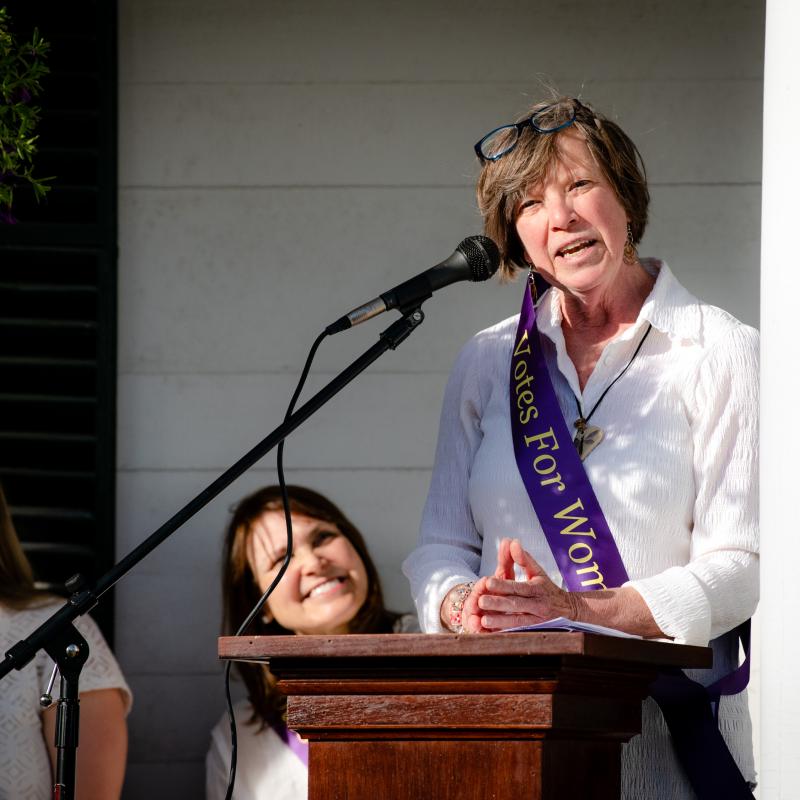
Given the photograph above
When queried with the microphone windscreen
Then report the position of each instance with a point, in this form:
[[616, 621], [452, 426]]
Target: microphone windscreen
[[483, 256]]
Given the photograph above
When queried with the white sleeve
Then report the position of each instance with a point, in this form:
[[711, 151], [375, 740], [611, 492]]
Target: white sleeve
[[718, 588], [101, 671], [449, 548]]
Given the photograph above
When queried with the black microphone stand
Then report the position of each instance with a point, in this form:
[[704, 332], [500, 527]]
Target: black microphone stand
[[59, 637]]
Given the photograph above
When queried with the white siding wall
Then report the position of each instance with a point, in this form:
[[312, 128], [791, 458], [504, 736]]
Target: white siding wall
[[780, 691], [280, 163]]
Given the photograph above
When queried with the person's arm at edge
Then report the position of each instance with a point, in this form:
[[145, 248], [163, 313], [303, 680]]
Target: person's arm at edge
[[103, 749]]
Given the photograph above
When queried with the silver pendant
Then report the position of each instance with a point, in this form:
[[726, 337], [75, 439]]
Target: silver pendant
[[587, 439]]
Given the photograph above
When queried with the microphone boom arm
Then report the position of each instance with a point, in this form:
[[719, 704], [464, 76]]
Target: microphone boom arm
[[82, 601], [60, 638]]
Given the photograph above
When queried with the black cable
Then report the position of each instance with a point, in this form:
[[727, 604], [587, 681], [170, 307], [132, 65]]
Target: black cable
[[264, 597]]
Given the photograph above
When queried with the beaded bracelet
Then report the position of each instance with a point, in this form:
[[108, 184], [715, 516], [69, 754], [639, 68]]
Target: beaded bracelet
[[462, 593]]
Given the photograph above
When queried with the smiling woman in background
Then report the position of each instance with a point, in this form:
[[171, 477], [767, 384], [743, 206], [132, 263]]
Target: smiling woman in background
[[655, 507], [330, 587]]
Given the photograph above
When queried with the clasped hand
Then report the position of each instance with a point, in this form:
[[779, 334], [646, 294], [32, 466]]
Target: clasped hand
[[500, 601]]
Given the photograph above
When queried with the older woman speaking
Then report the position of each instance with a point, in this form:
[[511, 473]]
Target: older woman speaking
[[602, 446]]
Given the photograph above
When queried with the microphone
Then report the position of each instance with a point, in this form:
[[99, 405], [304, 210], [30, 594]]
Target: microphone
[[475, 259]]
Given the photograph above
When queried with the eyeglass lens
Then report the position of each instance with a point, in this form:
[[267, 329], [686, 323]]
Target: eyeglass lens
[[549, 120]]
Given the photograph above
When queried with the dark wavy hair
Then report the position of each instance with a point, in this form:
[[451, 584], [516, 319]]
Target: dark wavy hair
[[240, 589], [17, 589]]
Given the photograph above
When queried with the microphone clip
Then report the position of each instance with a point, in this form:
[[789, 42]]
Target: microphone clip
[[399, 330]]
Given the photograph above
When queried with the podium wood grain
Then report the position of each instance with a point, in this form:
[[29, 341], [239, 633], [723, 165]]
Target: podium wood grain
[[413, 716]]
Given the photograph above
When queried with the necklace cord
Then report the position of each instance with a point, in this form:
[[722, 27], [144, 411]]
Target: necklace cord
[[583, 420]]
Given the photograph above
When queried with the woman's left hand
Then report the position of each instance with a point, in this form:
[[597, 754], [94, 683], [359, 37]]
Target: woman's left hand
[[507, 603]]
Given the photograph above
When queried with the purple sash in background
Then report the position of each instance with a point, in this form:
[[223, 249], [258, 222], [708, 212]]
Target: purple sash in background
[[587, 557], [292, 741]]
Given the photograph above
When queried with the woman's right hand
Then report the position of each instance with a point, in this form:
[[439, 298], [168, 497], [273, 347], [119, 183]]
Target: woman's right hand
[[471, 614], [469, 608]]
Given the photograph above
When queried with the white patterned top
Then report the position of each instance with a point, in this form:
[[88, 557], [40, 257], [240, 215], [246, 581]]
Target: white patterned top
[[676, 476], [25, 772]]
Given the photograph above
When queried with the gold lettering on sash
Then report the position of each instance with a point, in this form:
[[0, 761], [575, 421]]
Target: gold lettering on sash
[[524, 399], [546, 465], [539, 438], [577, 520], [549, 461], [597, 580], [575, 547], [527, 381], [550, 464], [522, 340], [555, 479]]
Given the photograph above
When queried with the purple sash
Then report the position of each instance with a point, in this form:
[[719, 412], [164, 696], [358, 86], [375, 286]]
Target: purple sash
[[587, 557], [552, 471], [292, 741]]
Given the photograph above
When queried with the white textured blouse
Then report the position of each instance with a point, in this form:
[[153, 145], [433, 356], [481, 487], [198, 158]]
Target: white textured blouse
[[676, 476]]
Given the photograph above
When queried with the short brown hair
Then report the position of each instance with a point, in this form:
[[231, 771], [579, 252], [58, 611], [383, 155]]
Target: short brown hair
[[240, 589], [502, 184]]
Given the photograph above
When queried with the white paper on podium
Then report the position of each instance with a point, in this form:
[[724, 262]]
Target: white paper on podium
[[564, 624]]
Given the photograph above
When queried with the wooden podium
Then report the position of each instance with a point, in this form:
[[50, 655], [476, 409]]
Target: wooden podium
[[445, 717]]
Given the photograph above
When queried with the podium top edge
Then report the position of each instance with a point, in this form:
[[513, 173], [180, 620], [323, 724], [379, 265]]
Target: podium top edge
[[497, 645]]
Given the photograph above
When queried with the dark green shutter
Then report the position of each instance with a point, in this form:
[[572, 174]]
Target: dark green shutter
[[58, 306]]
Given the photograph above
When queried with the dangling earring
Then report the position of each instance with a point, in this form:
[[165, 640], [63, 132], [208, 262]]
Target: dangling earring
[[629, 251], [532, 281]]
